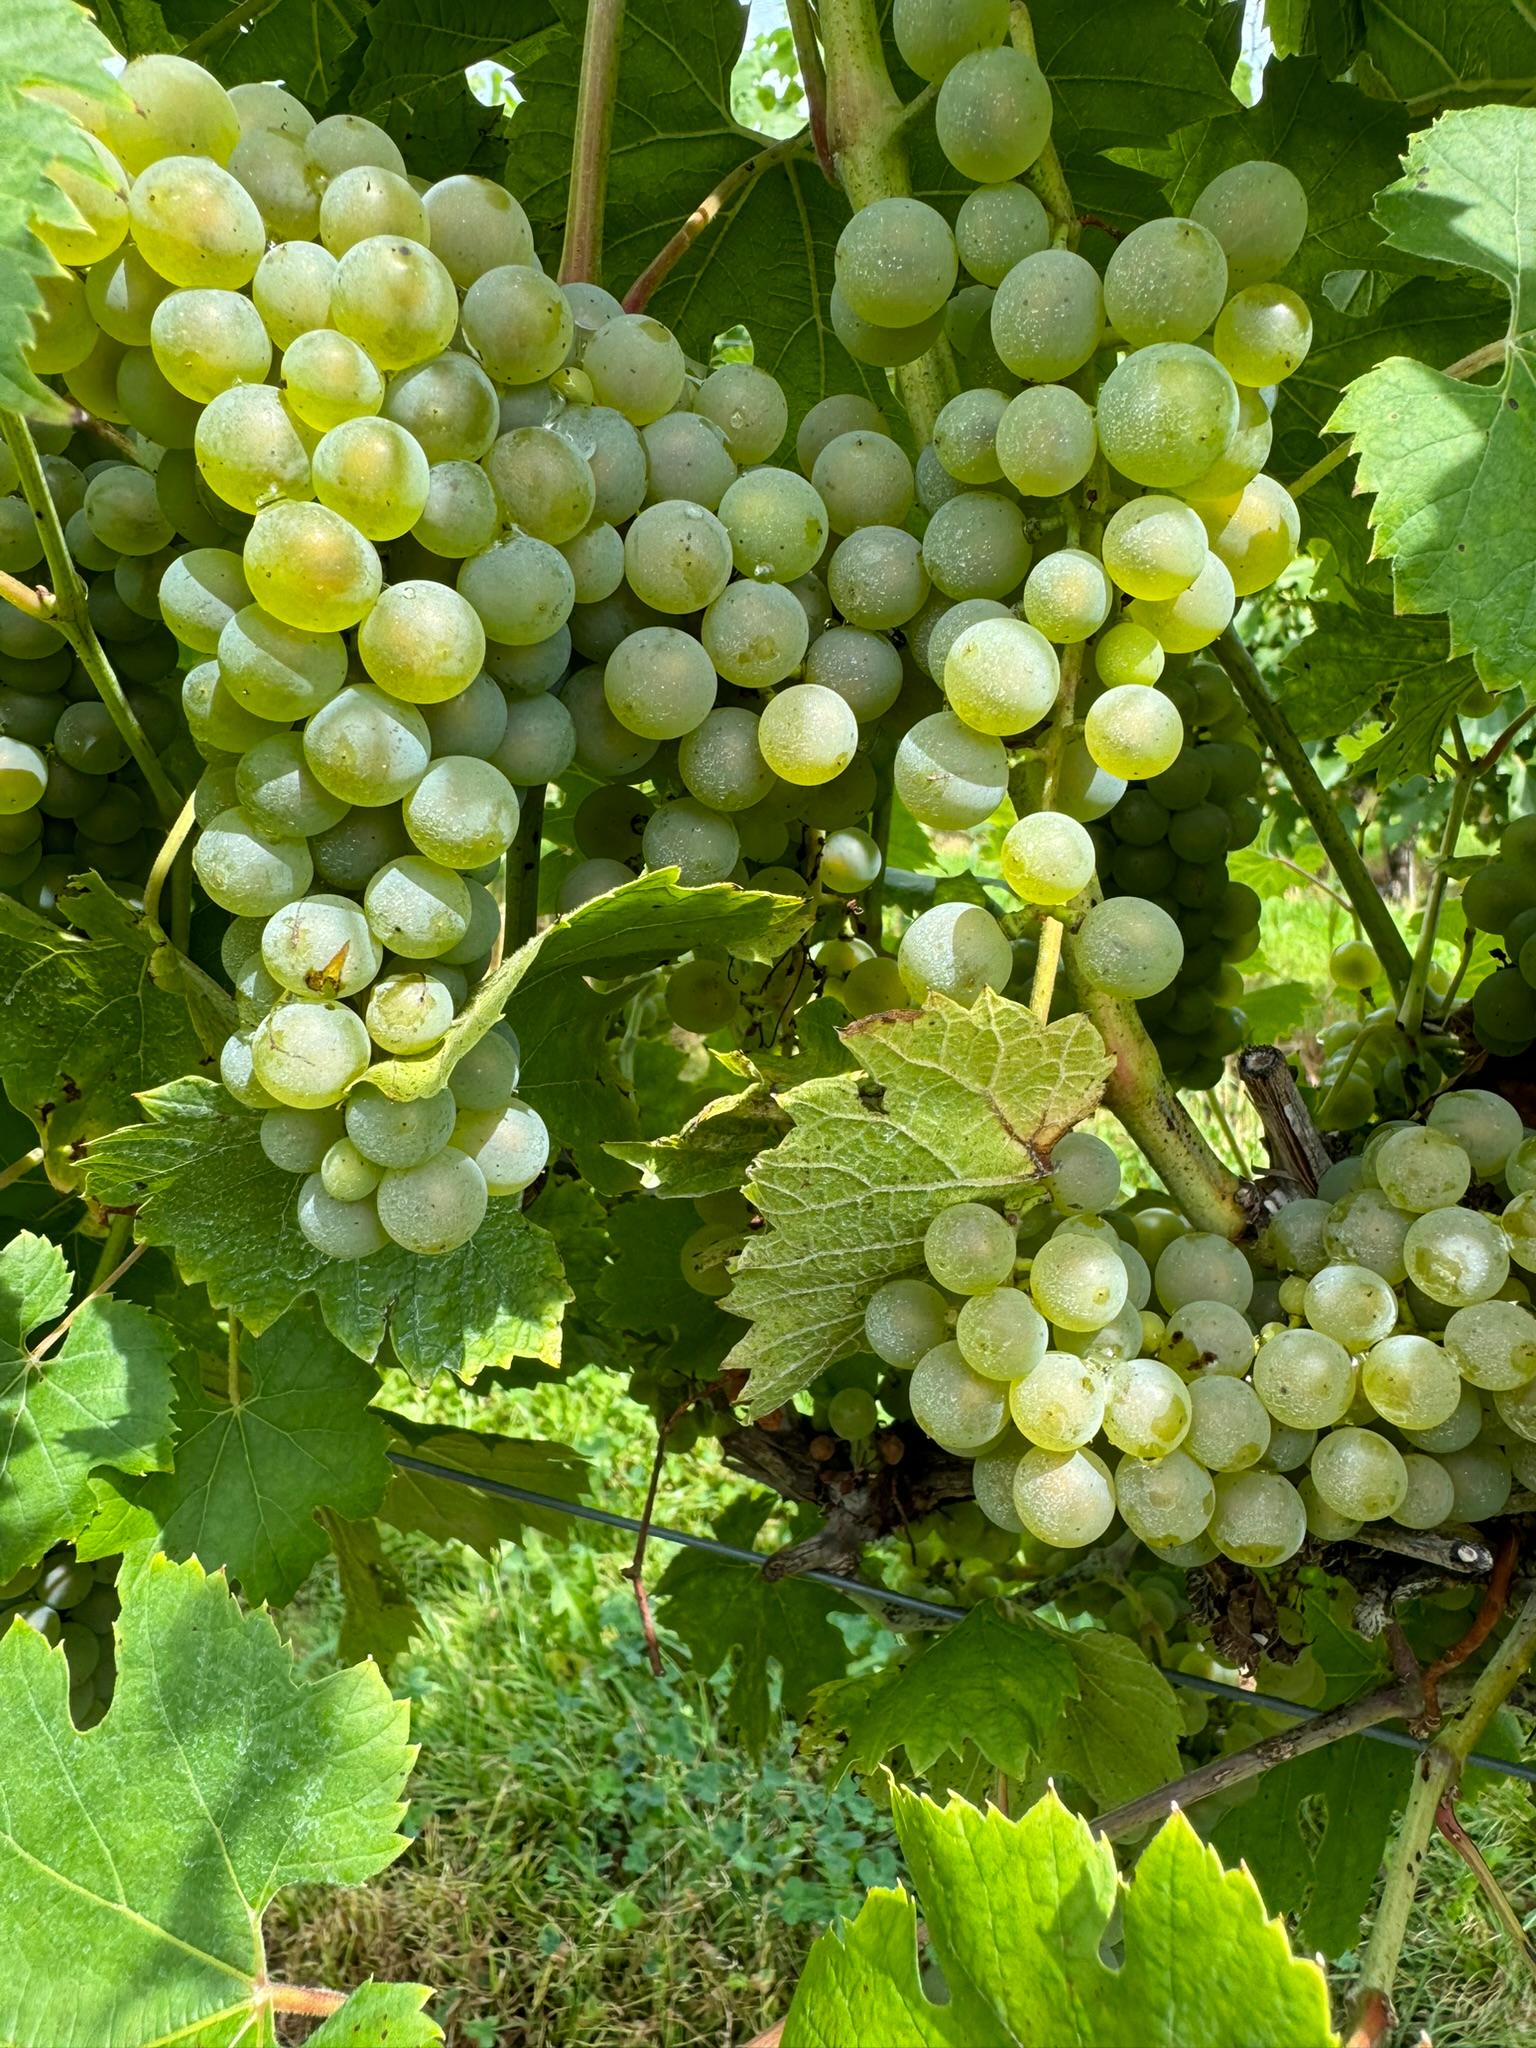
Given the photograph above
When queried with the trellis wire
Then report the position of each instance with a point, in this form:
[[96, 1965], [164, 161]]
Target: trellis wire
[[933, 1609]]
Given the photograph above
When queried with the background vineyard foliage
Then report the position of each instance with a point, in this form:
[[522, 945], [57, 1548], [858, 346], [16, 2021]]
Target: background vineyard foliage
[[1390, 647]]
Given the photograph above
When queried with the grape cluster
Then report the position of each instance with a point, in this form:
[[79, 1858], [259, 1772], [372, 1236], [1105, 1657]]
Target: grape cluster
[[1376, 1359], [74, 1605], [70, 797], [1500, 897]]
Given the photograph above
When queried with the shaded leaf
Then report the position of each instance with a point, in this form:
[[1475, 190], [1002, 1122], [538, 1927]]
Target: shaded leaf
[[451, 1512], [379, 1617], [1280, 1011], [1119, 1735], [1433, 51], [308, 44], [713, 1151], [1353, 661]]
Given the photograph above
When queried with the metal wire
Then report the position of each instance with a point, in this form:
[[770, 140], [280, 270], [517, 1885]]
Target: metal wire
[[885, 1596]]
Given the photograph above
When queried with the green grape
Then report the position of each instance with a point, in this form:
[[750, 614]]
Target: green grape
[[150, 405], [807, 734], [510, 1145], [200, 592], [1352, 1304], [957, 949], [1048, 315], [863, 668], [538, 744], [993, 1472], [700, 844], [1164, 1500], [280, 672], [1197, 616], [367, 200], [417, 907], [1047, 859], [476, 226], [395, 299], [247, 871], [1209, 1336], [969, 1248], [86, 740], [1085, 1177], [1001, 1333], [1259, 1519], [998, 226], [844, 412], [749, 408], [473, 722], [216, 719], [124, 512], [1067, 595], [1519, 1222], [462, 813], [1154, 546], [904, 1320], [1149, 1411], [1354, 965], [1244, 455], [659, 683], [434, 1207], [993, 115], [975, 546], [948, 775], [461, 514], [21, 539], [1199, 1266], [933, 35], [677, 557], [544, 484], [1256, 533], [604, 748], [408, 1012], [173, 107], [1046, 440], [873, 986], [296, 1140], [23, 777], [1305, 1380], [1230, 1428], [1359, 1474], [776, 522], [965, 436], [1412, 1383], [1263, 334], [687, 458], [345, 1175], [1504, 1008], [422, 642], [1166, 413], [896, 262], [959, 1409], [308, 567], [448, 405], [1078, 1282], [1066, 1499], [1258, 213], [1059, 1406], [206, 341], [522, 589], [635, 366], [308, 1054], [701, 996], [1165, 282], [99, 197], [1128, 946], [122, 294], [615, 455], [374, 474], [486, 1076], [878, 579], [238, 1074], [850, 861], [852, 1413], [1128, 655], [343, 142], [194, 224], [755, 634], [1485, 1126], [1421, 1168], [1456, 1256], [279, 792], [1364, 1229], [1430, 1496], [863, 479], [327, 380], [292, 290]]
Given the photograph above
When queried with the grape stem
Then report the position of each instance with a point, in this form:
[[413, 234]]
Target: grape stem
[[73, 620], [1434, 1781], [1045, 177], [1048, 959], [1410, 1015], [34, 599], [813, 77], [20, 1168], [243, 16], [744, 176], [581, 256], [165, 859], [1365, 898], [521, 915]]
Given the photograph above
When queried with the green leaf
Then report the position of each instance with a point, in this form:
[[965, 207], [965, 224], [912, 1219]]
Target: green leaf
[[714, 1150], [308, 44], [202, 1186], [42, 43], [380, 2016], [1356, 657], [1203, 1966], [647, 922], [767, 254], [420, 46], [251, 1472], [84, 1027], [1119, 1736], [1432, 51], [961, 1105], [101, 1397], [572, 1080], [641, 1286], [147, 1850], [1279, 1011], [730, 1613], [450, 1512], [379, 1618], [1450, 461], [997, 1683]]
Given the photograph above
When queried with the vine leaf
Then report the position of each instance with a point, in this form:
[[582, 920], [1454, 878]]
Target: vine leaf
[[100, 1397], [378, 1617], [645, 923], [1447, 459], [84, 1026], [42, 43], [729, 1613], [1363, 655], [959, 1105], [251, 1472], [380, 2016], [452, 1513], [1120, 1736], [309, 44], [1203, 1964], [148, 1850], [202, 1187], [1430, 51], [713, 1151]]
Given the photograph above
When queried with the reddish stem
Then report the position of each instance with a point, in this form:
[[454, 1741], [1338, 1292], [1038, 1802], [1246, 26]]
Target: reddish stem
[[1495, 1600], [746, 173]]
